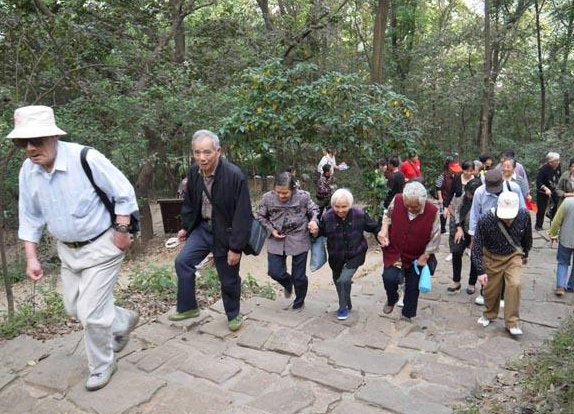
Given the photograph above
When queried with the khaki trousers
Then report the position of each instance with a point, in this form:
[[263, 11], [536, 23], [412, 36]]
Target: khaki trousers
[[89, 275], [499, 268]]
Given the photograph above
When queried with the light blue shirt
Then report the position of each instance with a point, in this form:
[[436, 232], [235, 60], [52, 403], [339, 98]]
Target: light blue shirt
[[484, 201], [66, 201]]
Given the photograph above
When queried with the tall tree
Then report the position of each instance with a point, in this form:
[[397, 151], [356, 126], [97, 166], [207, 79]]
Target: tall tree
[[379, 41], [538, 5], [483, 137]]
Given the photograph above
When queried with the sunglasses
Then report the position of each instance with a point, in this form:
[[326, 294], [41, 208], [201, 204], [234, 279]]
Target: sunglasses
[[23, 143]]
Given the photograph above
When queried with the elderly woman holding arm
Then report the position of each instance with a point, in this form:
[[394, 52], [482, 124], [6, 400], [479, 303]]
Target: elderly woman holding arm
[[343, 226]]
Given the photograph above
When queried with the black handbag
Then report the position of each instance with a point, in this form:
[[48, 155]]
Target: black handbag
[[134, 217], [257, 235]]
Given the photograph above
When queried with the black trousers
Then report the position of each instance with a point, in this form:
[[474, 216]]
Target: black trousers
[[196, 248], [392, 280], [457, 250], [541, 204]]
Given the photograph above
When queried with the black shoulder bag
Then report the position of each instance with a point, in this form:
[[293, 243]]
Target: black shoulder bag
[[134, 217], [257, 236]]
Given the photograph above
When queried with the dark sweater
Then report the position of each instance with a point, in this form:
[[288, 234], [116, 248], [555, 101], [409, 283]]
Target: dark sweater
[[346, 243]]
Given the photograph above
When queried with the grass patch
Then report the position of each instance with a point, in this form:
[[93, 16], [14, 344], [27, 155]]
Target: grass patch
[[548, 379], [48, 317], [156, 280], [250, 287]]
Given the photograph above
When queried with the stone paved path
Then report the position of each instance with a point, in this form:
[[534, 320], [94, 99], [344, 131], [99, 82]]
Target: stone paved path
[[285, 362]]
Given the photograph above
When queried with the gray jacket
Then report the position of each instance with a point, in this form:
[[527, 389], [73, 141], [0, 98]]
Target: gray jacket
[[291, 219]]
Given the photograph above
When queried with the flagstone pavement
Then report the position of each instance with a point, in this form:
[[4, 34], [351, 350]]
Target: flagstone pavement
[[287, 362]]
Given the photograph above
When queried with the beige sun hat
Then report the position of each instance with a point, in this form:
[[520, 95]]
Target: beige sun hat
[[34, 122]]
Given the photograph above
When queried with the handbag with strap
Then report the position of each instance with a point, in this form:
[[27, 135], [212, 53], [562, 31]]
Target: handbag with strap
[[110, 204], [257, 235]]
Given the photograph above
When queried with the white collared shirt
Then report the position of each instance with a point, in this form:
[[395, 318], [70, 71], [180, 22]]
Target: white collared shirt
[[65, 200]]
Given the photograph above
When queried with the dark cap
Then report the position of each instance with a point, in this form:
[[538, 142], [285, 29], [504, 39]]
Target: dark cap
[[493, 181]]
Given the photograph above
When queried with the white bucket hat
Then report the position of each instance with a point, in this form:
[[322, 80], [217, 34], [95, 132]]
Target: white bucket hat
[[508, 205], [34, 122]]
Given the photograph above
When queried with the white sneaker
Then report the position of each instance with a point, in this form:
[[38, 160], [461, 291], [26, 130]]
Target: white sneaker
[[502, 303], [100, 380], [483, 321], [479, 300], [515, 331], [400, 302], [121, 339], [448, 258]]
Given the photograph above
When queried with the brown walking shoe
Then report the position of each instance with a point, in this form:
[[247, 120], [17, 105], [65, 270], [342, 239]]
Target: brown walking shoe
[[388, 308]]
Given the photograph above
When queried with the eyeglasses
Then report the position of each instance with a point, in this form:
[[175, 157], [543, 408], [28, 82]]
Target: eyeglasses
[[23, 143]]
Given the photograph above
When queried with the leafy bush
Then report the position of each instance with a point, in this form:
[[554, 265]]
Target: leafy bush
[[49, 312], [208, 282], [157, 280]]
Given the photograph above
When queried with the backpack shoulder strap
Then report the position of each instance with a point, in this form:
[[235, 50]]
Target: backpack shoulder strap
[[99, 191]]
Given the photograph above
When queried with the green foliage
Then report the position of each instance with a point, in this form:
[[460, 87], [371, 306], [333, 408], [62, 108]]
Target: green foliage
[[376, 191], [17, 270], [156, 280], [279, 109], [50, 311], [250, 287], [549, 373], [208, 282]]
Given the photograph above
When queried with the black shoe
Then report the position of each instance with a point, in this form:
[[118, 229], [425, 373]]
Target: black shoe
[[454, 288], [538, 228], [388, 308]]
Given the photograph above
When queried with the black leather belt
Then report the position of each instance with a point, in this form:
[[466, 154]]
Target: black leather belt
[[77, 245]]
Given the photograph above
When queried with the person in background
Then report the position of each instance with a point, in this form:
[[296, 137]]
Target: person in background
[[459, 238], [443, 185], [561, 228], [509, 174], [293, 172], [328, 158], [518, 169], [396, 181], [56, 192], [454, 197], [478, 168], [565, 187], [216, 217], [289, 215], [325, 188], [343, 226], [500, 248], [182, 187], [380, 182], [546, 185], [410, 233], [486, 160], [411, 168]]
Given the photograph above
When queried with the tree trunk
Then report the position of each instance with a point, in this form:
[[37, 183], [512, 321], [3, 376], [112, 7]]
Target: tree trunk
[[179, 41], [379, 41], [564, 66], [143, 185], [7, 283], [264, 6], [538, 8], [486, 99]]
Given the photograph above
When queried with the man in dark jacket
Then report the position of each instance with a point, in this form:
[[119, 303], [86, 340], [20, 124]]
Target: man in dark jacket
[[216, 217]]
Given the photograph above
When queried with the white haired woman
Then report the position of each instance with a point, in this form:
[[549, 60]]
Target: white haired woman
[[410, 232], [343, 226]]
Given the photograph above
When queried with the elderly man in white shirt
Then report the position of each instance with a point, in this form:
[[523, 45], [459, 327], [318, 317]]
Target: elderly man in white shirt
[[56, 192]]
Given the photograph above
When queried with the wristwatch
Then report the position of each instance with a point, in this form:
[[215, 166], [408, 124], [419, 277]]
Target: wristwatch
[[122, 228]]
